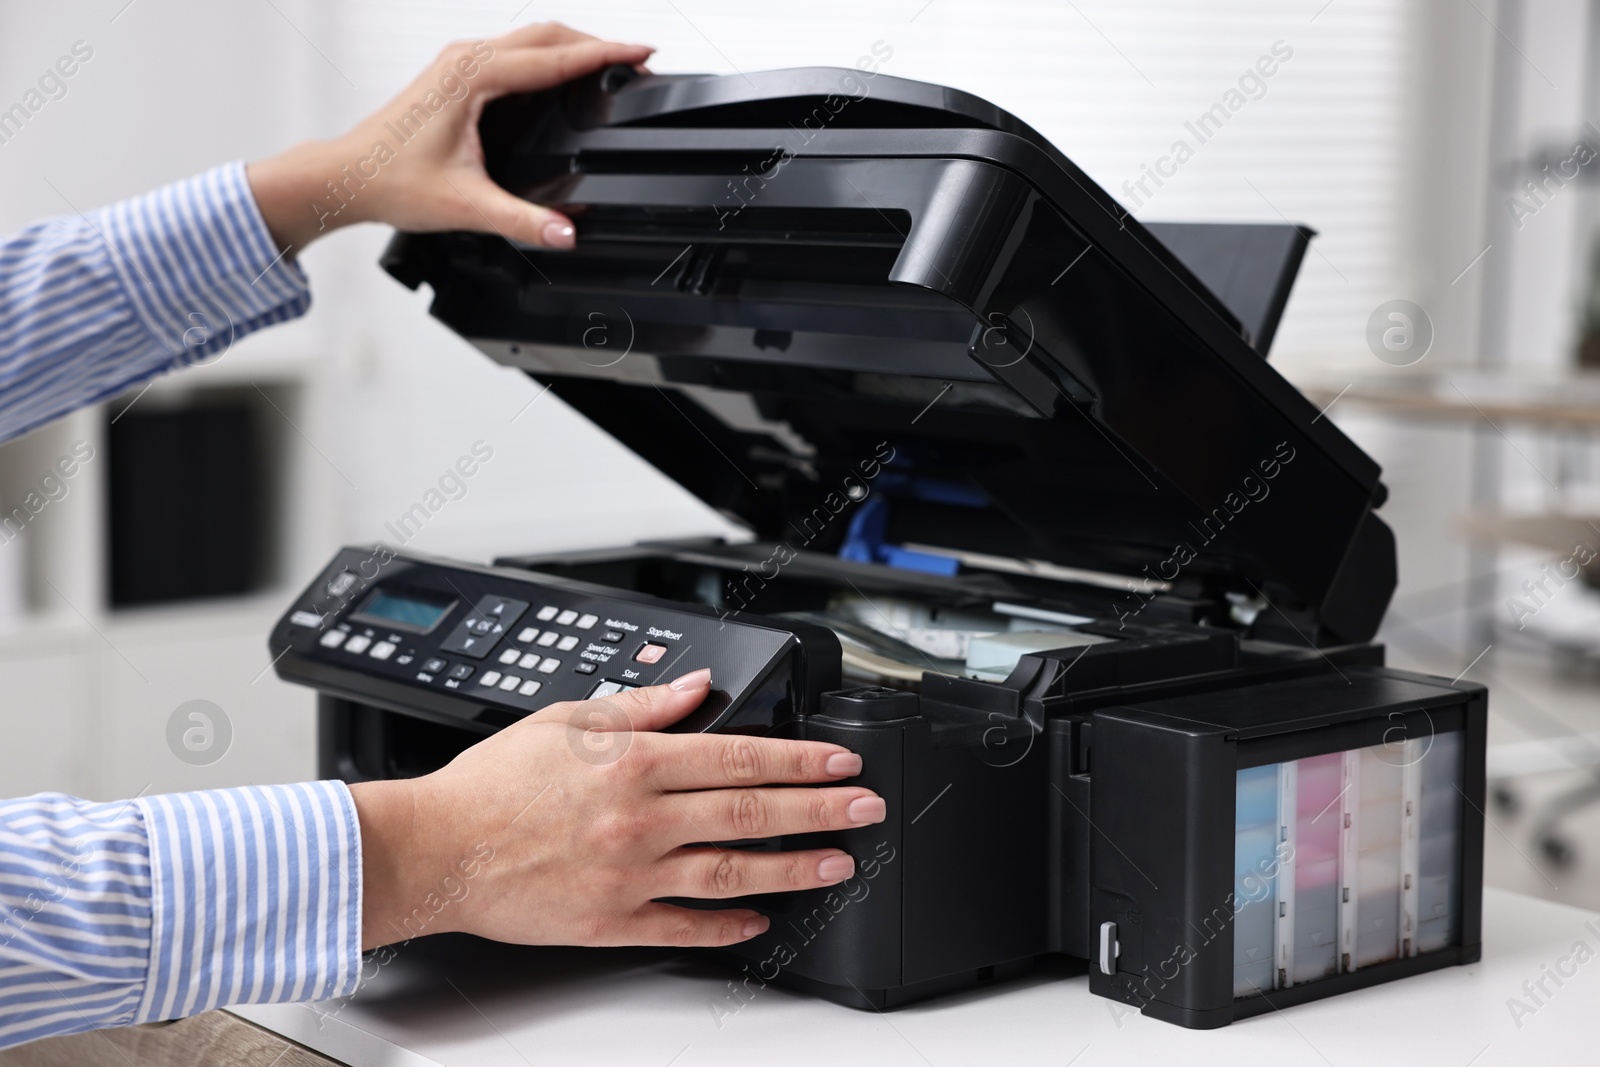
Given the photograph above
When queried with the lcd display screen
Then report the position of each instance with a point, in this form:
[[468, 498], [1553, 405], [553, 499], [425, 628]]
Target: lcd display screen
[[417, 613]]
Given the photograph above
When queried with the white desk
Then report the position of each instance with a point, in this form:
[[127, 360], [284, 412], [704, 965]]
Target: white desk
[[571, 1007]]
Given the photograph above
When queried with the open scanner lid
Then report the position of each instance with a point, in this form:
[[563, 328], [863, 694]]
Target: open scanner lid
[[806, 293]]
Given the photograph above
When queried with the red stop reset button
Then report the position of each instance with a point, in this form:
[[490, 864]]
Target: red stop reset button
[[650, 652]]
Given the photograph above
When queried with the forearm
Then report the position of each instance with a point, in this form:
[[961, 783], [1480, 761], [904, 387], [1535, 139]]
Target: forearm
[[300, 195], [162, 907], [92, 304], [390, 862], [74, 915]]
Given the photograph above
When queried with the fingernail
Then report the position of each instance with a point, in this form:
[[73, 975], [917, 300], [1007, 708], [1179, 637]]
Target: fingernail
[[843, 764], [836, 868], [867, 809], [693, 680], [752, 927], [558, 234]]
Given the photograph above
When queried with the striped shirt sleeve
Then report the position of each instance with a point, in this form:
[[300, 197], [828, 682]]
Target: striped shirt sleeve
[[93, 304], [166, 906]]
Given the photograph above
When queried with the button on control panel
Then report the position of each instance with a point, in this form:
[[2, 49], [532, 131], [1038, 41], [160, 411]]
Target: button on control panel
[[341, 583], [494, 644], [478, 633]]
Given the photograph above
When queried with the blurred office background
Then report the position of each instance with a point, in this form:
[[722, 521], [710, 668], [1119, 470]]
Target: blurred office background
[[1406, 134]]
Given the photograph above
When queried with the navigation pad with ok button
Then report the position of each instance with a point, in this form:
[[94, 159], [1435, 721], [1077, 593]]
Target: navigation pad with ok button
[[484, 625]]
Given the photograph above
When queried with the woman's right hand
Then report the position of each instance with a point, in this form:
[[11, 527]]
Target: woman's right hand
[[566, 827]]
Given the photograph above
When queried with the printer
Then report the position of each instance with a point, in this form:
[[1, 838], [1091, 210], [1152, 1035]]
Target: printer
[[1033, 526]]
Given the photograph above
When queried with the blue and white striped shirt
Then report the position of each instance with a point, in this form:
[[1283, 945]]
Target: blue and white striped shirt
[[159, 907], [91, 304]]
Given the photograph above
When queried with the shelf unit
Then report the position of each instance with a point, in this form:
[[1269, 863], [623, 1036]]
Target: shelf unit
[[89, 688]]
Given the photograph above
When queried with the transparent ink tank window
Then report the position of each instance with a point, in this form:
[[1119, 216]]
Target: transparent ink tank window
[[1344, 861]]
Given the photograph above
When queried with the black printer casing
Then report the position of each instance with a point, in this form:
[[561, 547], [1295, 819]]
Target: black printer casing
[[920, 356]]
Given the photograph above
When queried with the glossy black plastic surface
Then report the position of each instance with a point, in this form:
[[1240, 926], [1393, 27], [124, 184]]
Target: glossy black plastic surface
[[543, 640], [766, 309]]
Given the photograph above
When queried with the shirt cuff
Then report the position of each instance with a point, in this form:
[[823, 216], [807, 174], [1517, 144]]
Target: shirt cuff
[[255, 897], [199, 265]]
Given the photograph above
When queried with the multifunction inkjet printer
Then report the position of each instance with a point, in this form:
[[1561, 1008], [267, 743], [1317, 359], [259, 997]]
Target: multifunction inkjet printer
[[1033, 526]]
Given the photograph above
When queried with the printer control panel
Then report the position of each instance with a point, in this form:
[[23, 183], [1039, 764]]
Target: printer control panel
[[492, 645]]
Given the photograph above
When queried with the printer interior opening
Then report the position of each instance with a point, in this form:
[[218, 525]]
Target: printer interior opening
[[887, 636], [893, 642]]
